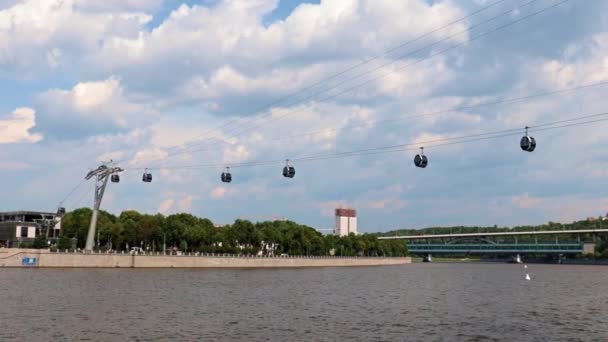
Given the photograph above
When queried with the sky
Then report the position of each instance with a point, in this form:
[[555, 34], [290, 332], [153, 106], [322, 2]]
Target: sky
[[185, 88]]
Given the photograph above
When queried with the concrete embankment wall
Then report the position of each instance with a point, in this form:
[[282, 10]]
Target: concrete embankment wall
[[15, 257]]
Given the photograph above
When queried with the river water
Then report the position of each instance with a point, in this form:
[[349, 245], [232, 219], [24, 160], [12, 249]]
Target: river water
[[419, 302]]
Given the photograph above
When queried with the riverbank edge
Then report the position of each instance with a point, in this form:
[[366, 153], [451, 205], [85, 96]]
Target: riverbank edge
[[15, 258]]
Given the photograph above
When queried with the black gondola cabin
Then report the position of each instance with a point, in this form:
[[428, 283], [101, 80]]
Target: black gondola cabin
[[420, 160], [226, 176], [147, 177], [527, 143], [289, 171]]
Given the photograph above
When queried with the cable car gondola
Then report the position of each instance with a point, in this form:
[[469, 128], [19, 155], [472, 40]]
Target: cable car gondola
[[421, 160], [289, 171], [226, 176], [147, 177], [115, 179], [527, 142]]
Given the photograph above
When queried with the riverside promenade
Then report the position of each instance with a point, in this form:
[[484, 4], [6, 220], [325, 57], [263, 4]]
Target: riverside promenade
[[36, 258]]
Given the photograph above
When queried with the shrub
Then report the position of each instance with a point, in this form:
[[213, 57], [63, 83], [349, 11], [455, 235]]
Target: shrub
[[40, 242]]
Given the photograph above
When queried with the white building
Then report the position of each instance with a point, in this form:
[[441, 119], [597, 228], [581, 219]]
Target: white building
[[346, 222]]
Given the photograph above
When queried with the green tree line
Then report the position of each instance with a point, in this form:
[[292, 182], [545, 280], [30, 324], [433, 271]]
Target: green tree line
[[189, 233]]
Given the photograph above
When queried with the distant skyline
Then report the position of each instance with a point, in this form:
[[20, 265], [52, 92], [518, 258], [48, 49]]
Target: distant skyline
[[86, 81]]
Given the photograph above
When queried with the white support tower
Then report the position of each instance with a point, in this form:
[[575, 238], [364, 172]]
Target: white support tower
[[102, 175]]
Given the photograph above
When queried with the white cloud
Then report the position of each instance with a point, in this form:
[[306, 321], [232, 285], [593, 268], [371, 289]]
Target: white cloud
[[228, 81], [236, 154], [35, 33], [525, 201], [166, 206], [219, 192], [177, 204], [14, 165], [564, 208], [143, 90], [93, 108], [149, 155], [584, 62], [15, 127], [95, 101], [185, 203], [118, 5]]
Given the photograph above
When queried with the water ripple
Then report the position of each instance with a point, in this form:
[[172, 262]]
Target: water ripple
[[420, 302]]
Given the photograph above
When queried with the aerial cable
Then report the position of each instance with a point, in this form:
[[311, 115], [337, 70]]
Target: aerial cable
[[449, 143], [335, 86], [467, 138], [409, 146], [388, 52], [479, 36], [367, 72], [71, 192], [357, 65], [391, 50], [348, 90], [401, 57], [81, 200], [400, 146], [76, 200], [454, 109], [288, 113]]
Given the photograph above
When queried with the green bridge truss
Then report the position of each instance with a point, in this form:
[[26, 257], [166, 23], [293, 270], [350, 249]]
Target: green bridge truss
[[496, 248]]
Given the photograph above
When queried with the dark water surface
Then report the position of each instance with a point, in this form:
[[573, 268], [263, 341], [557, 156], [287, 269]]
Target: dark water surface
[[419, 302]]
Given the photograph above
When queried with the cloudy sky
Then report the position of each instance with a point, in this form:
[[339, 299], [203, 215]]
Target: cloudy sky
[[185, 87]]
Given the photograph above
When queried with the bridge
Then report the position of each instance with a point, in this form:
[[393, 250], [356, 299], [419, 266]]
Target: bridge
[[481, 234], [489, 243], [565, 248]]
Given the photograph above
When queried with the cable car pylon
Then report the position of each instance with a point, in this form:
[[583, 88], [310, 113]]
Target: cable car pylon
[[102, 174]]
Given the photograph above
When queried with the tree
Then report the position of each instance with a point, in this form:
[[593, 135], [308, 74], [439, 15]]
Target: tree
[[191, 233], [76, 224]]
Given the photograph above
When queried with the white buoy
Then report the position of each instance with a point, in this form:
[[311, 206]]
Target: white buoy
[[526, 266], [527, 276]]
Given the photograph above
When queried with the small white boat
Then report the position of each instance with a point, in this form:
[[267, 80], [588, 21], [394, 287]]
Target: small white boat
[[528, 276]]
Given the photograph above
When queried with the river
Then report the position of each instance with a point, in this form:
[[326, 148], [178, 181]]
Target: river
[[418, 302]]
